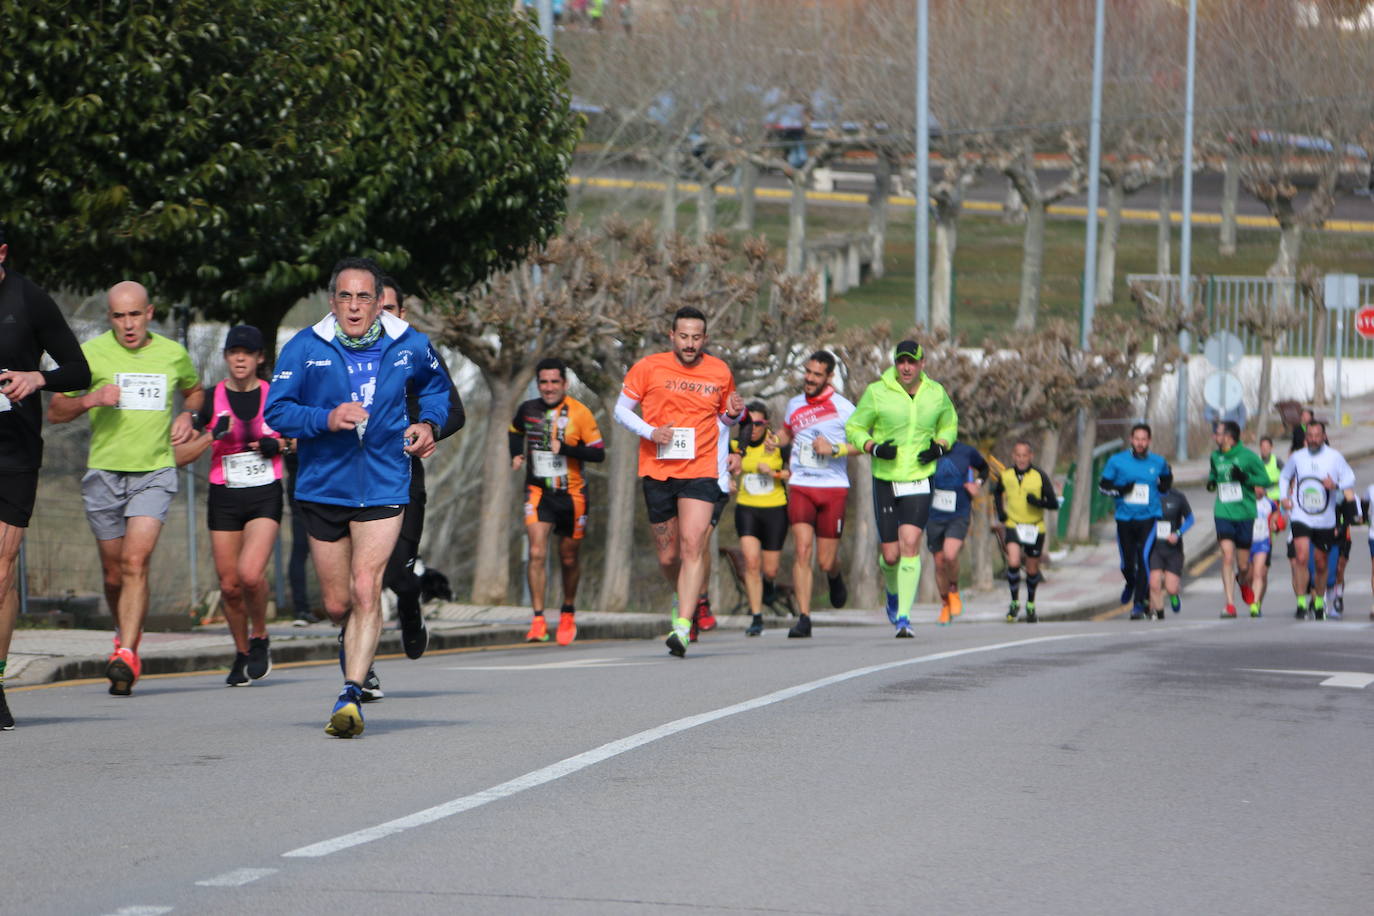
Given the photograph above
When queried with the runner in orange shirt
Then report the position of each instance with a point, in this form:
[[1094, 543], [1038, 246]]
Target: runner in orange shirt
[[682, 394]]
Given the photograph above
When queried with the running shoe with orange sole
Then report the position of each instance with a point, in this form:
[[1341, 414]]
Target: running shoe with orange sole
[[567, 629], [539, 630], [123, 669], [944, 613], [956, 604]]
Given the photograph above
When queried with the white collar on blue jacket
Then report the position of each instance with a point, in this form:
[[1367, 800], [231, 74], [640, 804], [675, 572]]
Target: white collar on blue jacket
[[392, 326]]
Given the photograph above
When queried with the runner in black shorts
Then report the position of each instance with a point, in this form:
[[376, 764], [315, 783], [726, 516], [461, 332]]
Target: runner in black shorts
[[1166, 553], [761, 510], [33, 325], [245, 499]]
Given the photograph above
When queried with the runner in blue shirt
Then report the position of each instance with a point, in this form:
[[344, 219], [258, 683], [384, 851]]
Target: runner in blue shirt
[[1133, 477], [958, 476]]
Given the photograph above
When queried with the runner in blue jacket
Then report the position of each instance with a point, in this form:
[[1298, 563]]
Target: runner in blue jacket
[[1133, 477], [340, 390]]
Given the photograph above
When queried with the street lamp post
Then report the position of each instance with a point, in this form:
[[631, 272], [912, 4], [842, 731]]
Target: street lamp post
[[922, 210], [1185, 248]]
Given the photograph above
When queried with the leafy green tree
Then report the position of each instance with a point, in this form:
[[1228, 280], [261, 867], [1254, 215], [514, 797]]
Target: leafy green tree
[[227, 152]]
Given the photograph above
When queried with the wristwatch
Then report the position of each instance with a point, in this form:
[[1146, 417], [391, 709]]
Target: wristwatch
[[433, 428]]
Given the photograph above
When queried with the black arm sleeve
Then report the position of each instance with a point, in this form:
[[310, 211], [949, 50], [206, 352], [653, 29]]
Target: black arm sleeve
[[786, 451], [584, 452], [979, 464], [517, 443], [1048, 499], [202, 418], [456, 415], [997, 500], [57, 340]]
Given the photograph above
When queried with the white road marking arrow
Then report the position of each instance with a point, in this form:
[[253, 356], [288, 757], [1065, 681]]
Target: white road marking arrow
[[570, 663], [1356, 679]]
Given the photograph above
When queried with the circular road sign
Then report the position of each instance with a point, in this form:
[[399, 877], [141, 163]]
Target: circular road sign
[[1364, 322], [1224, 350], [1222, 391]]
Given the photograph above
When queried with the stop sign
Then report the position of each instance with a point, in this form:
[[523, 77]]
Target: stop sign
[[1364, 322]]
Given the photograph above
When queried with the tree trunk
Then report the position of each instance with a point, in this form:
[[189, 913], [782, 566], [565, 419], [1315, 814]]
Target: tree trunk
[[1111, 236], [1013, 207], [796, 224], [496, 520], [865, 584], [928, 590], [748, 182], [621, 535], [1164, 233], [1080, 513], [706, 210], [667, 222], [942, 289], [1230, 189], [1285, 266], [877, 214], [1266, 381], [1047, 458], [982, 545], [1032, 265], [1319, 356]]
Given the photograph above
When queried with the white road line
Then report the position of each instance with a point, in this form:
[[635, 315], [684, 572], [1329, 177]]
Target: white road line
[[1357, 680], [237, 878], [141, 911], [584, 760]]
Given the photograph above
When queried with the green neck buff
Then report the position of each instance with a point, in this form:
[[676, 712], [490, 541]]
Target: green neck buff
[[373, 334]]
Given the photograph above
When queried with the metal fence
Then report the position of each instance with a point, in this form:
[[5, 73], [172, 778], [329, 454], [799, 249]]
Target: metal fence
[[1226, 297]]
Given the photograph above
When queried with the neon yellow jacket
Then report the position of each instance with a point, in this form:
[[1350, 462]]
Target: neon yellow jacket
[[886, 411]]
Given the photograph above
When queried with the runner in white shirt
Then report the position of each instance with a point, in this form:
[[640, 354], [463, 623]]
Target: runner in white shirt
[[1312, 482], [813, 425], [1268, 521]]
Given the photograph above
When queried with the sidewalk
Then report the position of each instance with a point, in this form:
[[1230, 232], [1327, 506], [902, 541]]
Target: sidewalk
[[1083, 582]]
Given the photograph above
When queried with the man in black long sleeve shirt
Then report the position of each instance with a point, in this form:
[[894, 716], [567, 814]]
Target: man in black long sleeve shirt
[[30, 325], [400, 574]]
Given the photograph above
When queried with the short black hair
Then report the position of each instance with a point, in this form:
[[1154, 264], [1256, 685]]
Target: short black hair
[[757, 407], [552, 362], [688, 312], [1264, 439], [1145, 426], [1315, 422], [366, 264], [825, 358], [1230, 428], [389, 282]]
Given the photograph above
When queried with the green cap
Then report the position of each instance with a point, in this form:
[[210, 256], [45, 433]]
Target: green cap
[[909, 348]]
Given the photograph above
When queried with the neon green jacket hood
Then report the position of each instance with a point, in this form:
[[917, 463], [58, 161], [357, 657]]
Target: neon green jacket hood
[[886, 411]]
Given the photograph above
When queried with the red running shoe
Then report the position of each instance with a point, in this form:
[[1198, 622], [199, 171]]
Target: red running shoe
[[123, 670], [1247, 594], [1230, 611], [704, 619]]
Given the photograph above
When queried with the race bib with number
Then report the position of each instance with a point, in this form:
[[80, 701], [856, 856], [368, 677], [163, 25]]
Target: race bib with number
[[758, 484], [910, 487], [142, 390], [247, 469], [1229, 492], [4, 403], [547, 464], [807, 457], [1163, 530], [1138, 495], [944, 500], [682, 447], [1027, 534], [1260, 531], [1312, 496]]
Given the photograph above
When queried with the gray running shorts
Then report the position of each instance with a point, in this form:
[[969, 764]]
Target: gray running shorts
[[113, 496]]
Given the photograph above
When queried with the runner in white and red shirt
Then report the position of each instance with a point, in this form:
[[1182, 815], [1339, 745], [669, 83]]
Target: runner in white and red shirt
[[819, 486]]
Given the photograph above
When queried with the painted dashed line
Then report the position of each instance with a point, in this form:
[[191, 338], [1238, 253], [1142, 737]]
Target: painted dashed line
[[237, 878]]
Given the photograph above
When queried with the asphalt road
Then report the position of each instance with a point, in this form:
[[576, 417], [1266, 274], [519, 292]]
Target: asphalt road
[[1178, 765]]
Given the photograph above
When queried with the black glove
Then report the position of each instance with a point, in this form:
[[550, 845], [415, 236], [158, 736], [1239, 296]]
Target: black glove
[[268, 447], [1238, 473], [1107, 488], [886, 451], [1036, 501], [1211, 486], [1349, 513], [221, 427], [931, 453]]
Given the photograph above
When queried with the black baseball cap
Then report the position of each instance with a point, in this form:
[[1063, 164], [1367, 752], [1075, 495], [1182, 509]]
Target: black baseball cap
[[245, 336], [908, 348]]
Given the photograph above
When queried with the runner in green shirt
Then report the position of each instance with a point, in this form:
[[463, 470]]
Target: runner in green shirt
[[132, 472], [1237, 476], [906, 421]]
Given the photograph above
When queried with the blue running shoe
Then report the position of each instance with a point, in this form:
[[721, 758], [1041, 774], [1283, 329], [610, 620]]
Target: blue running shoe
[[891, 608], [1139, 613], [1176, 604], [904, 630], [346, 721]]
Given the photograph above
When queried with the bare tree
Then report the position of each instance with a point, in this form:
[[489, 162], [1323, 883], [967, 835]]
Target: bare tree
[[1269, 323]]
